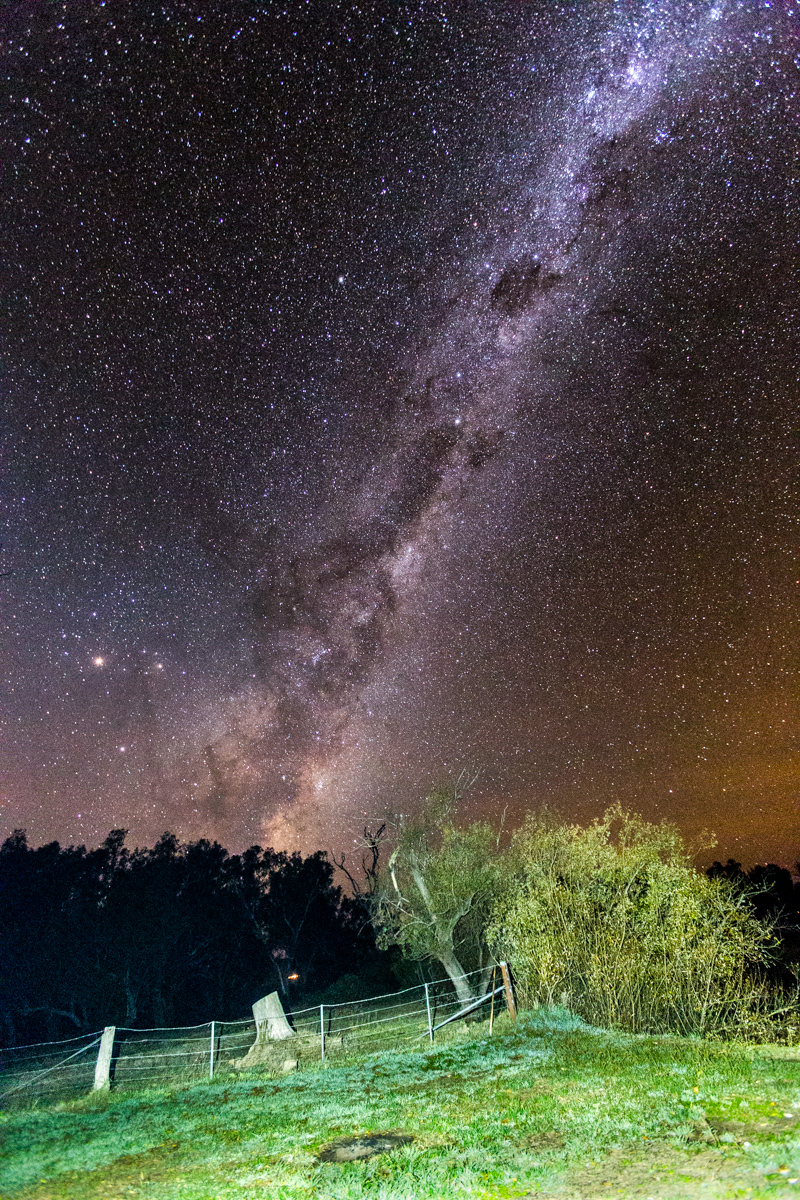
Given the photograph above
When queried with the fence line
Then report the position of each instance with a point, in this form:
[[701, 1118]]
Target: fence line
[[245, 1020], [164, 1028], [136, 1058], [471, 1008], [47, 1070], [387, 995], [42, 1055], [62, 1042]]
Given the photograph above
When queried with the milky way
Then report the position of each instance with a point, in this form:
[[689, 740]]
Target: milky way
[[395, 394]]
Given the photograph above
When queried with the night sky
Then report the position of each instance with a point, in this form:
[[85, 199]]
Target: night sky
[[396, 389]]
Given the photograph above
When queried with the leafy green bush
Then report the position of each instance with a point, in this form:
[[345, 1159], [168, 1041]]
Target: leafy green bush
[[614, 921]]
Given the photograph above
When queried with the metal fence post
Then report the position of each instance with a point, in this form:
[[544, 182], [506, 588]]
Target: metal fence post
[[102, 1070], [322, 1030], [428, 1007], [211, 1051]]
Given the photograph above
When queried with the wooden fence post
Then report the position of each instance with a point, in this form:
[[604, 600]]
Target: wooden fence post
[[511, 1006], [102, 1070]]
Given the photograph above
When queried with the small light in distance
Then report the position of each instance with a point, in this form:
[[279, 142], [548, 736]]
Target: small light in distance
[[295, 976], [98, 661]]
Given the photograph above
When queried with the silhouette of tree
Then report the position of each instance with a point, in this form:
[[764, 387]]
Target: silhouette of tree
[[174, 934]]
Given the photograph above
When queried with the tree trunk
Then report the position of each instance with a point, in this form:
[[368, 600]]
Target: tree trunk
[[454, 969], [131, 997], [444, 929], [485, 978], [11, 1033], [157, 1002]]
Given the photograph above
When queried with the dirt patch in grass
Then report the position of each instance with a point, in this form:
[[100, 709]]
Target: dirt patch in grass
[[450, 1082], [549, 1139], [522, 1094], [742, 1131], [122, 1177], [351, 1149], [656, 1171]]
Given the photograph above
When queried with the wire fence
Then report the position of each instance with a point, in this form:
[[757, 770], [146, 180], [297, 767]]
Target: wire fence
[[128, 1059], [403, 1017], [48, 1070]]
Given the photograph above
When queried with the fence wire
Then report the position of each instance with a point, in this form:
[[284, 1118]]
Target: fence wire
[[141, 1058], [38, 1073]]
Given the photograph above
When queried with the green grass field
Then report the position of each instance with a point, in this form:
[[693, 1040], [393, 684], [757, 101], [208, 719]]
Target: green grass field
[[546, 1107]]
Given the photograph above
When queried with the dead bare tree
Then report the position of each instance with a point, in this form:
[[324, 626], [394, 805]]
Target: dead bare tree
[[370, 847]]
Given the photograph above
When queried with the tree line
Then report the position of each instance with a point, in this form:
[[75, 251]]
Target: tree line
[[171, 935], [611, 919]]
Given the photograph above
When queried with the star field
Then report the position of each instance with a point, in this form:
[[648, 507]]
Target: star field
[[393, 390]]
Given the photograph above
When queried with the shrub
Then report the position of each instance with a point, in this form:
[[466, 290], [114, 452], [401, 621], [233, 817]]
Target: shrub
[[614, 921]]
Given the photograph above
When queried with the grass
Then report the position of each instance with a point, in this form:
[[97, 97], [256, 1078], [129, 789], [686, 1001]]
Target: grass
[[546, 1107]]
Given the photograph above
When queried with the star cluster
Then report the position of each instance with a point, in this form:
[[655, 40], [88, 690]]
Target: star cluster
[[394, 390]]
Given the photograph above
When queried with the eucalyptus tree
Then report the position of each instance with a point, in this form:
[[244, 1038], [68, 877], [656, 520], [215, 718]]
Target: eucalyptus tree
[[437, 890]]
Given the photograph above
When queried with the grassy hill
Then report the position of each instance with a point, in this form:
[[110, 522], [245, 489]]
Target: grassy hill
[[546, 1107]]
